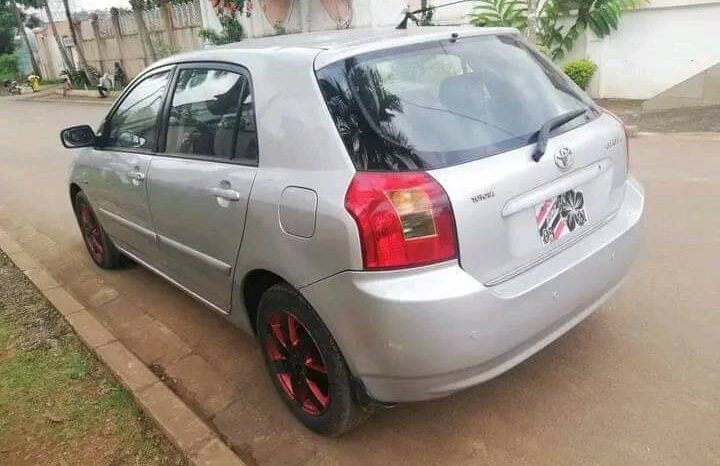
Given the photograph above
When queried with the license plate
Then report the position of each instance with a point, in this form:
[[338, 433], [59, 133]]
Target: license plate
[[560, 216]]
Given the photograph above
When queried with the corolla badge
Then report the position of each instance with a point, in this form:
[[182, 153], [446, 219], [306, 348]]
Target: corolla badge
[[612, 143], [564, 158]]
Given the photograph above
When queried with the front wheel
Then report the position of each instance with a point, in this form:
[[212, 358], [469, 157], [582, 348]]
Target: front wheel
[[306, 365], [98, 243]]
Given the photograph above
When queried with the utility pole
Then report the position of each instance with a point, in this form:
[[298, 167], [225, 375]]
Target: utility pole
[[23, 33]]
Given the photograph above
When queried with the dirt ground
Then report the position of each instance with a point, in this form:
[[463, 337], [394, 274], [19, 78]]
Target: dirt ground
[[58, 405], [682, 120], [635, 383]]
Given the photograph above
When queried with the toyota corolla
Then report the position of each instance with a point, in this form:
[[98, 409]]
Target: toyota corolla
[[395, 215]]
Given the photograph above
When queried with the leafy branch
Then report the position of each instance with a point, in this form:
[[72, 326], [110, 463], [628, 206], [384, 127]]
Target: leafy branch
[[602, 17]]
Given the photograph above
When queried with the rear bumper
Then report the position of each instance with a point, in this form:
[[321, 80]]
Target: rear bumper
[[428, 332]]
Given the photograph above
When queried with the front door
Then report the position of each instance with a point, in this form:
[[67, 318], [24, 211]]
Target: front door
[[118, 187], [200, 185]]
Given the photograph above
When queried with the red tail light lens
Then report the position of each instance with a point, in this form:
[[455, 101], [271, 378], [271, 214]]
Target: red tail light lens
[[404, 219]]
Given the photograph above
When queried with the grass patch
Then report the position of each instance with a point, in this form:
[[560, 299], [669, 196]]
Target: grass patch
[[58, 404]]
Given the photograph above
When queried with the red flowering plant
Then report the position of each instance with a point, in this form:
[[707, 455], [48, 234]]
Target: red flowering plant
[[227, 11]]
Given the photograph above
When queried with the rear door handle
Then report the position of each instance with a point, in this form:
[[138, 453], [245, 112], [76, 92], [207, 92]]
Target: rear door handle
[[227, 194], [136, 175]]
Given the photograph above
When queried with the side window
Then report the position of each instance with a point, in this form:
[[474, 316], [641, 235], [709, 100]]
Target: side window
[[134, 123], [211, 115]]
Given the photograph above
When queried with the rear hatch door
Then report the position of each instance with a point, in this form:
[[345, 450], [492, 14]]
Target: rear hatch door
[[513, 213]]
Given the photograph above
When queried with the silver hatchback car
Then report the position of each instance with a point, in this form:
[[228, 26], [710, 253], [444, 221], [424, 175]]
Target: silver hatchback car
[[396, 215]]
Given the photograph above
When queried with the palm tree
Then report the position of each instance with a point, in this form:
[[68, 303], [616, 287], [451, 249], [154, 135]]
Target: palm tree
[[138, 6], [78, 45], [21, 29], [63, 52]]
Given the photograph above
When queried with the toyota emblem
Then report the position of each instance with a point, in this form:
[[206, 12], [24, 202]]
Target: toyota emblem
[[564, 158]]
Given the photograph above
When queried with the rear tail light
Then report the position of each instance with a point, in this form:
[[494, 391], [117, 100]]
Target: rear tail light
[[404, 219], [627, 136]]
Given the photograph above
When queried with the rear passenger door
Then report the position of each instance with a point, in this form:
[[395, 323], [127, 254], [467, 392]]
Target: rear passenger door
[[199, 184]]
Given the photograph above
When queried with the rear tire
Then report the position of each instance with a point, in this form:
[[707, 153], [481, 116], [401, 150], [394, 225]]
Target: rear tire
[[99, 245], [306, 365]]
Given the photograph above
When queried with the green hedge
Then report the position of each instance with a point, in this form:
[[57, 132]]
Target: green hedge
[[580, 71], [8, 66]]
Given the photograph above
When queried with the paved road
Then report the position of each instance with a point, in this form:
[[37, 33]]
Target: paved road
[[636, 383]]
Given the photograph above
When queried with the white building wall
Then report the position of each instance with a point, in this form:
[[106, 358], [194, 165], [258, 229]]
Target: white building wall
[[655, 47]]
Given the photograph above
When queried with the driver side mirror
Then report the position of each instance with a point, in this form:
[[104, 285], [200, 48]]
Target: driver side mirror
[[77, 136]]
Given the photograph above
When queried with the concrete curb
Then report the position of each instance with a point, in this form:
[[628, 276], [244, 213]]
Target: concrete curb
[[691, 135], [61, 100], [86, 93], [185, 429]]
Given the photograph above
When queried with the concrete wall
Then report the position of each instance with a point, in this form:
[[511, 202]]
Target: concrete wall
[[310, 15], [48, 55], [106, 40], [702, 90], [655, 47]]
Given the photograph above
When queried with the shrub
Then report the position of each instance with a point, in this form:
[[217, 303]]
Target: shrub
[[8, 66], [580, 71]]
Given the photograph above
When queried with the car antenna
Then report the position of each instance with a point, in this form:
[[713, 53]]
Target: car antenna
[[410, 14]]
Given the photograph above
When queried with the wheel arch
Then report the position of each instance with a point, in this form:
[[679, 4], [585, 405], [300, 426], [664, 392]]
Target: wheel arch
[[255, 283], [74, 190]]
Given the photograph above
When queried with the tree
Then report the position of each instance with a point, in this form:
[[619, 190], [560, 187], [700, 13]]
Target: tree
[[76, 42], [19, 24], [7, 34], [232, 30], [138, 6], [541, 19], [69, 65], [32, 21]]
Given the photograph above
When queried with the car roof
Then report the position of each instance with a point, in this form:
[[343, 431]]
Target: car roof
[[333, 45], [357, 37]]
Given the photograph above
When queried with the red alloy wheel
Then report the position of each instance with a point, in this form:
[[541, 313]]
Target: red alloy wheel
[[92, 234], [297, 363]]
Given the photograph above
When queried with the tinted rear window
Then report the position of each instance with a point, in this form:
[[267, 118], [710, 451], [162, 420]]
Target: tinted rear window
[[438, 104]]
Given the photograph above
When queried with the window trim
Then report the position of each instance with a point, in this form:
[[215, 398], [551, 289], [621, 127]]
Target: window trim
[[172, 69], [165, 114]]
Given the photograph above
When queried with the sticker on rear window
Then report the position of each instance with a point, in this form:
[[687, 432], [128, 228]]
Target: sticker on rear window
[[560, 216]]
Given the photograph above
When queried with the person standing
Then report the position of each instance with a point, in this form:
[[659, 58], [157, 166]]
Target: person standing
[[104, 85], [120, 77], [67, 86], [34, 81]]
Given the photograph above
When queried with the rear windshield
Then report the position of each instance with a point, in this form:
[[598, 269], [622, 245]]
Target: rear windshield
[[438, 104]]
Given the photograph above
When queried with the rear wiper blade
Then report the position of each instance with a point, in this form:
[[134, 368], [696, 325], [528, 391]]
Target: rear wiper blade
[[551, 124]]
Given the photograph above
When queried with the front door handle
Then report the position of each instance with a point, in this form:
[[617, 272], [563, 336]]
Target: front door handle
[[227, 194]]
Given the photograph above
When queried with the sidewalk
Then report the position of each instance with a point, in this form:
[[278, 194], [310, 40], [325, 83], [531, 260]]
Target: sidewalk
[[53, 93], [198, 442], [54, 391]]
